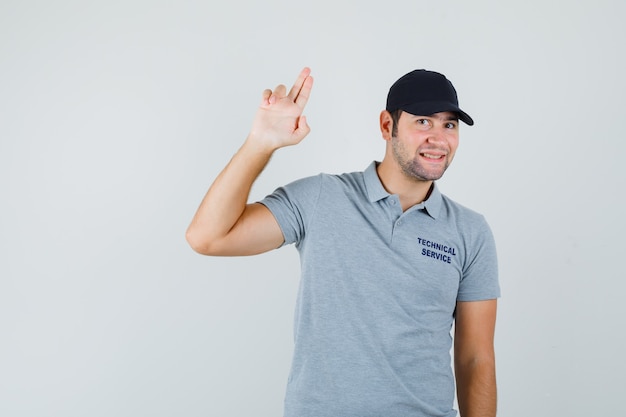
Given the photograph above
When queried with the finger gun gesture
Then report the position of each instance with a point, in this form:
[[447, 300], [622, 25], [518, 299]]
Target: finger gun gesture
[[279, 121]]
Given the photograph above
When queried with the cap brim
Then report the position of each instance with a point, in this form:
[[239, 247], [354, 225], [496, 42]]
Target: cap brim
[[426, 109]]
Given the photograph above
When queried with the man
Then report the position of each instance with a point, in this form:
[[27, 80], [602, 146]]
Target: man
[[388, 262]]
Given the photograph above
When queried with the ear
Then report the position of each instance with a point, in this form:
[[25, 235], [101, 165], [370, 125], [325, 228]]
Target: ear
[[386, 125]]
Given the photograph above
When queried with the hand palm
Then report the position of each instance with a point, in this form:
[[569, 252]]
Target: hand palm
[[279, 121]]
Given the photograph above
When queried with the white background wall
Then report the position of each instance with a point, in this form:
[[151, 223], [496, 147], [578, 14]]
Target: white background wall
[[115, 116]]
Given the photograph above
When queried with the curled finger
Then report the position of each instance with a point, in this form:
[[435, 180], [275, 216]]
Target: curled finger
[[279, 92], [265, 97]]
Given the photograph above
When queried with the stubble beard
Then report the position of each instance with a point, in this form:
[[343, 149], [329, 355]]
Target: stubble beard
[[411, 167]]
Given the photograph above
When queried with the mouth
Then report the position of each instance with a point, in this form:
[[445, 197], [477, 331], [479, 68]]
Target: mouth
[[435, 157]]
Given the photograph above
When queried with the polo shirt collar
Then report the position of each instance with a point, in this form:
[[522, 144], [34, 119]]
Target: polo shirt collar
[[375, 189], [434, 202], [376, 192]]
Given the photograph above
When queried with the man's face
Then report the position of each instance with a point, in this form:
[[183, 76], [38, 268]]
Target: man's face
[[424, 146]]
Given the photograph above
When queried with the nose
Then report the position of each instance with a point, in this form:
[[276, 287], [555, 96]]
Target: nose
[[436, 135]]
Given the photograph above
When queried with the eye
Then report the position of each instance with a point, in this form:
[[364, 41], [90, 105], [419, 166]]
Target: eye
[[423, 122], [451, 125]]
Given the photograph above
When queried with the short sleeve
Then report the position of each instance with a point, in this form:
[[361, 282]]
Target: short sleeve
[[293, 206], [480, 272]]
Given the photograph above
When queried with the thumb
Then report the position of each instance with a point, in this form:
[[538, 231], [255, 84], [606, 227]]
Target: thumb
[[303, 127]]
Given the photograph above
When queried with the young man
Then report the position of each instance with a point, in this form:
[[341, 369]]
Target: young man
[[388, 262]]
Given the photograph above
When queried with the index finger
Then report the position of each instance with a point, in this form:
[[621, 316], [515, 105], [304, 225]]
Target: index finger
[[301, 89]]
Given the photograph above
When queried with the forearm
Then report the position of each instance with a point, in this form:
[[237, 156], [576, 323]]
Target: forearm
[[225, 224], [476, 387], [226, 199]]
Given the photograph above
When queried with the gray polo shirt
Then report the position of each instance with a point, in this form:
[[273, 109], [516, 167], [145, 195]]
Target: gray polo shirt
[[377, 295]]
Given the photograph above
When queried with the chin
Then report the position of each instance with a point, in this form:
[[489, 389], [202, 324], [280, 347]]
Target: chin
[[419, 174]]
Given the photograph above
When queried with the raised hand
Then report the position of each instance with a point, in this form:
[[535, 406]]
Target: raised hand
[[279, 121]]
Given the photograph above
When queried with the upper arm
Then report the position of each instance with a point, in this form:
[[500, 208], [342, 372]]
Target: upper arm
[[475, 323], [255, 232]]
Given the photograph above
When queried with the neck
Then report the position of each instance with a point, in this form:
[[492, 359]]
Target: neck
[[410, 191]]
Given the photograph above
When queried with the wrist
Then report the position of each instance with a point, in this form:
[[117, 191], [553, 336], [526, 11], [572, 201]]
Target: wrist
[[255, 146]]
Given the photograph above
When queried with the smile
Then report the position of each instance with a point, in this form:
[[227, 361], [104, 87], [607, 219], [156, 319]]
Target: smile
[[432, 156]]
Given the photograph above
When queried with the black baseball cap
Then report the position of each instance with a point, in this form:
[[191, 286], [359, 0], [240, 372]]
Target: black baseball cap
[[422, 92]]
